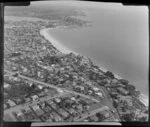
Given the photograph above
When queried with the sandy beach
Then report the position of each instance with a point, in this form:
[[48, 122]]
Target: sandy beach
[[59, 46]]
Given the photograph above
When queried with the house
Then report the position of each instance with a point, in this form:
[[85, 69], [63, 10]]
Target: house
[[77, 89], [120, 85], [20, 116], [56, 116], [49, 69], [60, 90], [85, 120], [24, 69], [38, 110], [42, 94], [62, 69], [40, 87], [122, 90], [110, 119], [67, 68], [41, 104], [106, 114], [114, 81], [82, 102], [54, 106], [5, 106], [80, 87], [75, 77], [64, 113], [74, 83], [6, 85], [44, 47], [99, 94], [28, 110], [11, 103], [94, 118], [73, 98], [34, 97], [30, 83], [80, 107], [52, 65], [90, 91], [16, 79], [18, 101], [57, 100], [87, 106], [130, 103], [50, 102], [27, 99], [95, 89], [19, 113], [40, 74], [71, 110]]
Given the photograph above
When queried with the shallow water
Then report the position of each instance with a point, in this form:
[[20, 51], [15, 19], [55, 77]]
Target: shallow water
[[117, 41]]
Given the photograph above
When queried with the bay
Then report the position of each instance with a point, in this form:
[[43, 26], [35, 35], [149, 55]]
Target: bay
[[116, 40]]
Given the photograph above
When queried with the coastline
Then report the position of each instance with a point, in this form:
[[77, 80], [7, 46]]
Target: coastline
[[63, 49], [144, 99], [55, 43]]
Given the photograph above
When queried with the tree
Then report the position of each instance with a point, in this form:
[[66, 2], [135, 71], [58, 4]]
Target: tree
[[78, 96], [143, 119], [131, 87], [33, 86], [123, 81], [100, 116], [128, 117], [110, 74], [115, 104]]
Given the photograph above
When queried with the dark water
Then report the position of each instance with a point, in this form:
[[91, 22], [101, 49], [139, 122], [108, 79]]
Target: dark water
[[117, 41]]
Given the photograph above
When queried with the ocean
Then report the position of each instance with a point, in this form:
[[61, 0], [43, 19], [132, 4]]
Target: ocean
[[116, 40]]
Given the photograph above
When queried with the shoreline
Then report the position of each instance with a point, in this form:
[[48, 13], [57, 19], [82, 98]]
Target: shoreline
[[63, 49]]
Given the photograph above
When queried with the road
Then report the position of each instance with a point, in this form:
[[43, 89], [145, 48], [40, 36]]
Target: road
[[21, 106], [108, 102], [92, 113], [52, 86], [104, 102]]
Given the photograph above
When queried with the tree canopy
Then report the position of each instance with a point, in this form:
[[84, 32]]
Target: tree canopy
[[123, 81], [110, 74]]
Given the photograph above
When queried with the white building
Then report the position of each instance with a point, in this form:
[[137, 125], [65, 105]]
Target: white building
[[99, 94], [73, 98], [11, 103], [95, 89], [6, 85], [60, 90], [40, 87], [25, 70], [57, 100], [34, 97]]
